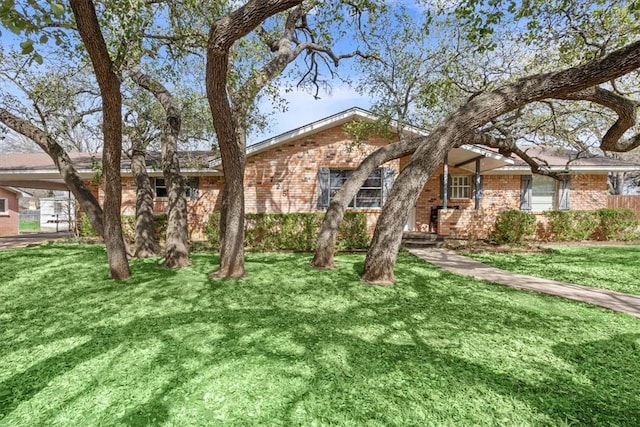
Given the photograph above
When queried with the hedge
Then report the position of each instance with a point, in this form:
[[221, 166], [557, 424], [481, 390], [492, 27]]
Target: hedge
[[617, 224], [512, 226], [292, 231], [128, 227], [571, 225]]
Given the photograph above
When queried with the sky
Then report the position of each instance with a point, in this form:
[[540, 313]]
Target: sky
[[303, 109]]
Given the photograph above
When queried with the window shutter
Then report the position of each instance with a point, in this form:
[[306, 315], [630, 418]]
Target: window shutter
[[526, 182], [388, 176], [448, 187], [477, 189], [323, 188], [563, 193]]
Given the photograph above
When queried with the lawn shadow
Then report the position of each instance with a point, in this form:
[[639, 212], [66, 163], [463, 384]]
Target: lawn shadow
[[365, 354]]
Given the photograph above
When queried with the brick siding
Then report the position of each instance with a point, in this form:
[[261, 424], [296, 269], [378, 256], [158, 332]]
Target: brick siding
[[284, 179], [9, 222]]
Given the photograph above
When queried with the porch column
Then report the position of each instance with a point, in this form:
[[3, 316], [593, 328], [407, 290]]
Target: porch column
[[477, 185], [445, 182]]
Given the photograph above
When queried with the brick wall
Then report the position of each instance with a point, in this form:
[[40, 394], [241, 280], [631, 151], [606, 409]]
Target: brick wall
[[284, 179], [500, 192], [9, 221]]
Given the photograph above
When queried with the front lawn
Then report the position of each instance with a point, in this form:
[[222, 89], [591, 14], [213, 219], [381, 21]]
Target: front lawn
[[290, 345], [29, 226], [608, 267]]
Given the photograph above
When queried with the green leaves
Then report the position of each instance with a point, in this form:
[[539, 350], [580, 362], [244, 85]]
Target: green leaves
[[57, 9], [27, 47]]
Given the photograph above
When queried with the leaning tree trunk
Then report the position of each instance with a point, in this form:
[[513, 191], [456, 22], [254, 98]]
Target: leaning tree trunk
[[146, 244], [87, 200], [177, 246], [381, 257], [325, 247], [109, 83]]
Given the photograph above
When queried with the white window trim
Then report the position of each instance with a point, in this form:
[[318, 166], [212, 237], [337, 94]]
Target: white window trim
[[5, 212], [458, 188], [155, 188], [352, 204]]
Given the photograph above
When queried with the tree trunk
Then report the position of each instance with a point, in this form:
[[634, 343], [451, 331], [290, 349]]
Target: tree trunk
[[325, 247], [381, 257], [616, 183], [88, 202], [146, 244], [177, 246], [109, 83]]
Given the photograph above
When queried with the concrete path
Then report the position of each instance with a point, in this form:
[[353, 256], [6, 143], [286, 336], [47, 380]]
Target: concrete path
[[458, 264], [23, 240]]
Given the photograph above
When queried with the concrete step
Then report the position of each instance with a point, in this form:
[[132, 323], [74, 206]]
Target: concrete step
[[416, 239]]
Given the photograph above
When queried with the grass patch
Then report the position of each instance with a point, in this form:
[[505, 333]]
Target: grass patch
[[290, 345], [607, 267], [29, 226]]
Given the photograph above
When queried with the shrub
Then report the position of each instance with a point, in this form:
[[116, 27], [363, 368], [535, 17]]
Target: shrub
[[512, 226], [292, 231], [616, 224], [571, 225], [85, 228], [128, 227]]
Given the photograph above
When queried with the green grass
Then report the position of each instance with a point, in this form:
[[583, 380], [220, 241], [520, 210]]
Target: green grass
[[289, 345], [29, 226], [608, 267]]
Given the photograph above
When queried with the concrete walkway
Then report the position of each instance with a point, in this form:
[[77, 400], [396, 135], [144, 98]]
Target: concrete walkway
[[24, 240], [458, 264]]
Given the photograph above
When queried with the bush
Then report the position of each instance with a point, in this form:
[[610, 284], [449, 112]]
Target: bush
[[85, 229], [292, 231], [616, 224], [512, 226], [571, 225], [129, 227]]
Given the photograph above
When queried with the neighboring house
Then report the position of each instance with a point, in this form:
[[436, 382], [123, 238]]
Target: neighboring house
[[300, 170], [57, 213], [9, 211]]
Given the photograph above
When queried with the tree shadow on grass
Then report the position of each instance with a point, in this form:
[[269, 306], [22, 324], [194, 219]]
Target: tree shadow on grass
[[365, 353]]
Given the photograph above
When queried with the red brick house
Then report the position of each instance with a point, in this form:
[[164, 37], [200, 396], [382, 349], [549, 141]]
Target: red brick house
[[9, 211], [298, 171]]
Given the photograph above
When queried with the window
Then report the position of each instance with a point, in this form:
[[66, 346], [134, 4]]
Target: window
[[370, 194], [543, 190], [58, 208], [161, 188], [4, 206], [191, 187], [542, 193], [460, 187]]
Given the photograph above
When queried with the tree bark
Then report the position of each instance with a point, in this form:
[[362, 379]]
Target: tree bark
[[381, 257], [325, 247], [146, 244], [177, 246], [222, 35], [109, 83], [88, 202]]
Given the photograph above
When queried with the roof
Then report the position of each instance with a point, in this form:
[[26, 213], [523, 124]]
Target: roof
[[562, 159], [461, 155], [17, 191], [37, 170]]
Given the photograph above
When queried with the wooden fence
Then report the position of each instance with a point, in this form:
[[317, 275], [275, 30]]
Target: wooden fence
[[630, 202]]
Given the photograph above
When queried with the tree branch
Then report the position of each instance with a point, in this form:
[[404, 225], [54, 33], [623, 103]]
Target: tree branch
[[627, 117]]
